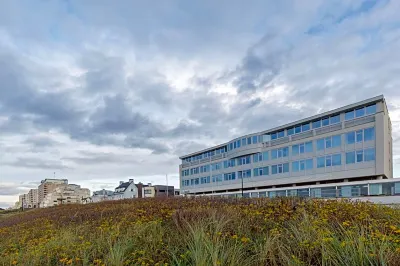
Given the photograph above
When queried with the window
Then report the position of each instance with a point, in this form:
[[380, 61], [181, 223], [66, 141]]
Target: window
[[255, 139], [260, 171], [325, 122], [244, 174], [230, 176], [297, 129], [328, 142], [360, 112], [321, 162], [302, 165], [369, 134], [280, 168], [359, 156], [359, 135], [371, 109], [334, 119], [290, 131], [248, 140], [244, 142], [238, 143], [243, 160], [336, 159], [274, 136], [336, 141], [350, 157], [350, 137], [305, 127], [308, 146], [265, 156], [281, 134], [302, 148], [231, 146], [349, 115], [278, 153], [309, 164], [316, 124], [320, 144], [295, 149], [369, 155], [328, 161], [295, 166], [234, 145], [257, 157]]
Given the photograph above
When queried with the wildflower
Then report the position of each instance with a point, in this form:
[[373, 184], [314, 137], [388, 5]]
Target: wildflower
[[327, 239], [245, 239], [346, 223], [14, 262], [235, 237]]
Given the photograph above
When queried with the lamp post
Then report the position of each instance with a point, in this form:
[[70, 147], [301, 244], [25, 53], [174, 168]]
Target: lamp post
[[242, 183]]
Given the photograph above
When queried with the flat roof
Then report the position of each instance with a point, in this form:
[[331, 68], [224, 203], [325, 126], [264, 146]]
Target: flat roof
[[301, 121]]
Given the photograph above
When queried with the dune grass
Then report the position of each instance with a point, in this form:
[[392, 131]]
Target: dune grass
[[282, 231]]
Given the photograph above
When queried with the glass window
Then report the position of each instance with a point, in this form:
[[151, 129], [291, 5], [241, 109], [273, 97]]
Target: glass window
[[265, 156], [369, 155], [350, 157], [371, 109], [265, 170], [359, 135], [274, 169], [272, 194], [397, 188], [292, 193], [336, 141], [334, 119], [309, 164], [375, 189], [234, 145], [281, 134], [254, 139], [369, 134], [302, 165], [238, 143], [262, 194], [360, 112], [274, 154], [255, 157], [301, 148], [295, 166], [328, 161], [349, 115], [305, 127], [274, 136], [231, 146], [320, 162], [316, 124], [285, 151], [297, 129], [359, 156], [320, 144], [309, 146], [350, 137], [328, 142], [325, 121], [286, 167], [345, 191], [295, 150], [248, 140], [304, 192], [290, 131], [336, 159]]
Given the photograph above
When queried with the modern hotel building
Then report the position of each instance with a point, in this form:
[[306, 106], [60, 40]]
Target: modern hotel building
[[341, 153]]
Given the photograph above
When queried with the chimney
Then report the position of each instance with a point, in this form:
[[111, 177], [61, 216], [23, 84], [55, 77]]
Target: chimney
[[130, 180], [120, 182]]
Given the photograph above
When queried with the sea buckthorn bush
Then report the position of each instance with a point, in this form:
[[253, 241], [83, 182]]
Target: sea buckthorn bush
[[203, 231]]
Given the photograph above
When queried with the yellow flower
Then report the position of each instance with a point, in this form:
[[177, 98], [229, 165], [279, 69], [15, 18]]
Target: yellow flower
[[346, 223], [14, 262], [245, 239], [234, 236]]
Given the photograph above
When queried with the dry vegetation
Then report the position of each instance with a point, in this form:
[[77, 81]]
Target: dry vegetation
[[286, 231]]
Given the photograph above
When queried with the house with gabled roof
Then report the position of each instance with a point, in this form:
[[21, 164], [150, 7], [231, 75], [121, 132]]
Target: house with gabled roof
[[126, 190]]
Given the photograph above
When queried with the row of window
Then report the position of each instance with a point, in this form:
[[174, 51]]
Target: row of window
[[352, 137], [334, 119], [343, 191], [352, 157]]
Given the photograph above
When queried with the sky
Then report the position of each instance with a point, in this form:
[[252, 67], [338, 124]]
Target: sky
[[100, 91]]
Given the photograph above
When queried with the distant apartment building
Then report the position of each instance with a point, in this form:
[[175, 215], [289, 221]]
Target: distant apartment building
[[152, 191], [47, 186], [66, 194], [32, 198], [22, 201], [102, 195], [338, 147], [125, 190]]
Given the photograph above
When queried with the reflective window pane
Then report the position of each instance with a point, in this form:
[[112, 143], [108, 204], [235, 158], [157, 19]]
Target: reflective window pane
[[295, 166], [369, 155], [316, 124], [297, 129], [371, 109], [336, 159], [254, 139], [305, 127], [286, 167], [320, 162], [350, 137], [359, 156], [369, 134], [360, 112], [336, 141], [295, 150], [320, 144], [325, 121], [359, 135], [328, 142], [328, 161], [349, 115], [290, 131], [309, 146], [334, 119], [350, 157], [309, 164]]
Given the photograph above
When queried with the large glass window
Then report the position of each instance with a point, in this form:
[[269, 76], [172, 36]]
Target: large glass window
[[281, 134], [328, 142], [369, 154], [359, 156], [375, 189], [309, 164], [305, 127], [369, 134], [280, 168], [336, 159], [350, 137], [334, 119], [238, 143], [350, 157], [248, 140], [359, 135], [265, 156], [308, 146], [254, 139], [290, 131], [281, 152], [261, 171], [371, 109], [336, 141], [295, 166], [328, 161], [316, 124], [349, 115], [325, 122], [320, 144], [321, 162], [297, 129], [295, 150], [360, 112]]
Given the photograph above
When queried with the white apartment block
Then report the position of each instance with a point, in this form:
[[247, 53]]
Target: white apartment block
[[66, 194], [341, 147], [32, 198]]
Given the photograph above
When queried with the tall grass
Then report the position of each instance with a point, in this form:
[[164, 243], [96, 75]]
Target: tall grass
[[204, 232]]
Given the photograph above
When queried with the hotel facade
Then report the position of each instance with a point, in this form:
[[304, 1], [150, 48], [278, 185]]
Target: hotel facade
[[340, 153]]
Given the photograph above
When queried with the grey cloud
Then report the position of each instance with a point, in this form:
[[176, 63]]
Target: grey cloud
[[36, 163], [41, 141], [7, 189], [91, 158]]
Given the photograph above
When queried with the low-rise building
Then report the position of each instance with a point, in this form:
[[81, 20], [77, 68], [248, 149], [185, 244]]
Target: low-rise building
[[102, 195], [125, 190], [152, 191]]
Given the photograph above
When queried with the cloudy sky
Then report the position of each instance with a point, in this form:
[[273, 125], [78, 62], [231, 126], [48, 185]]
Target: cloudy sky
[[102, 91]]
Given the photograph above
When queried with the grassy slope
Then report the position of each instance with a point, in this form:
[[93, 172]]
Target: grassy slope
[[203, 232]]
